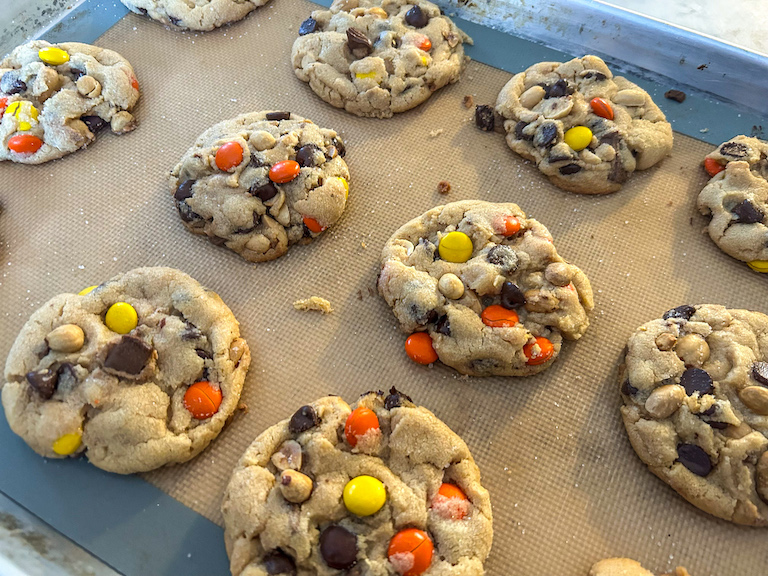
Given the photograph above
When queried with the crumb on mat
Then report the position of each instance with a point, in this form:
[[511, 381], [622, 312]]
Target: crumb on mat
[[444, 187], [314, 303]]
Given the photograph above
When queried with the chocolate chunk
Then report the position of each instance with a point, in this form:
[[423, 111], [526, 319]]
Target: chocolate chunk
[[696, 380], [694, 458], [191, 332], [598, 76], [760, 372], [339, 144], [186, 213], [94, 123], [511, 296], [570, 169], [716, 424], [44, 382], [443, 326], [484, 117], [338, 547], [627, 389], [175, 21], [676, 95], [142, 10], [255, 162], [205, 355], [685, 312], [503, 256], [305, 155], [308, 26], [11, 84], [357, 40], [734, 150], [519, 134], [416, 17], [264, 191], [217, 240], [277, 562], [76, 73], [184, 190], [303, 419], [559, 89], [129, 355], [747, 213], [546, 134], [395, 399], [278, 116], [617, 173]]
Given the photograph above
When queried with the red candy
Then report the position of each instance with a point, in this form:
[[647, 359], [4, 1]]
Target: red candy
[[539, 351], [25, 144], [202, 399], [284, 171], [229, 156], [419, 348], [313, 225], [712, 166], [424, 44], [3, 104], [601, 108], [497, 316], [359, 423], [414, 543]]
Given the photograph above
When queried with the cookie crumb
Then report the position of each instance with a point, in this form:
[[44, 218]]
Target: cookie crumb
[[444, 187], [314, 303], [436, 133], [363, 244], [468, 101], [677, 95], [243, 406], [484, 118]]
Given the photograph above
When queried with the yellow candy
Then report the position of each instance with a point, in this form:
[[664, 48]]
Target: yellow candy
[[25, 113], [53, 56], [455, 247], [88, 290], [346, 185], [759, 266], [366, 75], [121, 318], [424, 60], [67, 444], [364, 495], [578, 137]]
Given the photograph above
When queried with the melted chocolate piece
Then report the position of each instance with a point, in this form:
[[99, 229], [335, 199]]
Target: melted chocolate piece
[[357, 40], [44, 382], [129, 355], [443, 326], [747, 213], [278, 116], [511, 296], [303, 419], [627, 389], [264, 191], [338, 547], [305, 155], [545, 135], [184, 190], [696, 380], [685, 312], [395, 399], [694, 458], [760, 372], [569, 169], [416, 17], [277, 562], [734, 150]]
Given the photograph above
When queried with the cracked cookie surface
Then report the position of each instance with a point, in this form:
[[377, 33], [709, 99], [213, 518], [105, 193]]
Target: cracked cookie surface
[[695, 390], [260, 182], [627, 567], [586, 129], [54, 99], [736, 200], [378, 58], [486, 287], [201, 15], [362, 486], [142, 371]]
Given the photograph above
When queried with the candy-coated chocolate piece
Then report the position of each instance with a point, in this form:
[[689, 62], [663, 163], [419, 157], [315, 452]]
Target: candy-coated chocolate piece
[[509, 226], [712, 166], [202, 399], [361, 421], [455, 247], [419, 348], [313, 225], [362, 75], [338, 547], [424, 43], [25, 143], [497, 316], [578, 137], [539, 351], [284, 171], [410, 552], [228, 156], [346, 186], [88, 290], [364, 495], [602, 108], [134, 83], [454, 503], [449, 490], [3, 105], [53, 56], [121, 318], [759, 266], [67, 444]]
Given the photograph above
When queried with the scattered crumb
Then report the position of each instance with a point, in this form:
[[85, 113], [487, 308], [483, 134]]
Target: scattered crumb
[[703, 66], [691, 221], [704, 130], [243, 406], [669, 203], [314, 303], [436, 133], [444, 187], [469, 101], [677, 95], [363, 244]]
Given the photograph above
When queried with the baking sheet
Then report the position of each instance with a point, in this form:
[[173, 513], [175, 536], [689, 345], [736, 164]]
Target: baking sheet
[[566, 486]]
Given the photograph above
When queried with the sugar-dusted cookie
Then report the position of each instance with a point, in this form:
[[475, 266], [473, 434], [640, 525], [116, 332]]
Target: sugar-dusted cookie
[[378, 57], [627, 567], [54, 98], [194, 14], [695, 390], [386, 488], [736, 199], [482, 288], [261, 182], [140, 371], [586, 129]]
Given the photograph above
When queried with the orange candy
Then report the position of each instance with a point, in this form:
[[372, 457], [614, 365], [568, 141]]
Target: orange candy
[[313, 225], [284, 171], [418, 544], [452, 491], [602, 108], [229, 156], [25, 144], [134, 83], [358, 423], [497, 316], [419, 348], [712, 166], [202, 399], [542, 354], [509, 226], [424, 44], [3, 105]]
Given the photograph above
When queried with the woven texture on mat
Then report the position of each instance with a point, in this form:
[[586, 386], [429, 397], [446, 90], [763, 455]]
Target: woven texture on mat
[[566, 486]]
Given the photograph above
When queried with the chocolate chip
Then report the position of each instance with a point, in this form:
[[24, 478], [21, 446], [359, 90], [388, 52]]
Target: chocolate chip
[[716, 424], [308, 26], [338, 547], [598, 76], [627, 389], [694, 458], [502, 256], [130, 355], [511, 296], [696, 380], [94, 123], [205, 355], [191, 332], [570, 169], [395, 399], [305, 155], [303, 419], [175, 21], [44, 382], [339, 146], [255, 162], [617, 173], [546, 134], [685, 312], [143, 10], [443, 326], [484, 117], [747, 213], [734, 150], [357, 40], [278, 115], [76, 73], [277, 562], [676, 95], [11, 84], [264, 191], [217, 240], [184, 190], [186, 213], [519, 134], [416, 17], [559, 89], [760, 372]]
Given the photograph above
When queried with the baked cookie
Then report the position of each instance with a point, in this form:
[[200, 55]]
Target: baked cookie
[[140, 371], [627, 567], [260, 182], [383, 489], [695, 391], [586, 129], [378, 57], [736, 198], [482, 288], [54, 98], [195, 15]]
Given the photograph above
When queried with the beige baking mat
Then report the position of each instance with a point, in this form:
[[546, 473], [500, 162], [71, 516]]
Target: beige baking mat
[[567, 488]]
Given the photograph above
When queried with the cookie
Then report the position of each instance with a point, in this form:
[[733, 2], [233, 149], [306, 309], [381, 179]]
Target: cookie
[[378, 57], [54, 98], [695, 390], [261, 182], [627, 567], [386, 488], [736, 199], [197, 15], [141, 371], [482, 288], [586, 129]]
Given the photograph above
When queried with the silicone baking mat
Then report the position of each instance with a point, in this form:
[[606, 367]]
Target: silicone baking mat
[[566, 486]]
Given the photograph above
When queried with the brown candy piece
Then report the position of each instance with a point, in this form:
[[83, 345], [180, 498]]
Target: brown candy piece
[[357, 40], [129, 356], [338, 547], [43, 382]]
